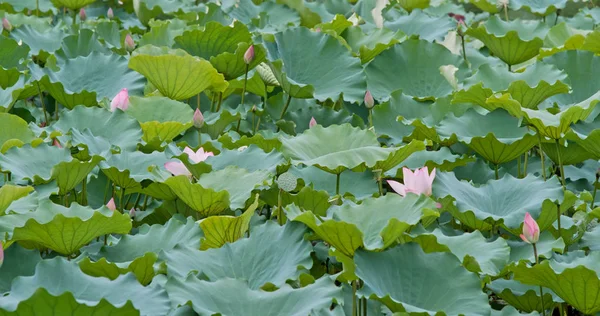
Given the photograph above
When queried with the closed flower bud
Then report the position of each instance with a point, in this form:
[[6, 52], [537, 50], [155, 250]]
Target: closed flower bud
[[82, 15], [531, 230], [110, 14], [369, 101], [198, 119], [129, 43], [6, 25], [120, 101], [249, 55], [111, 205], [312, 122]]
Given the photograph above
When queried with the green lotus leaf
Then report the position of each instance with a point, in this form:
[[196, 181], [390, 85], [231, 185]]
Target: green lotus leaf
[[495, 136], [251, 159], [271, 256], [385, 121], [219, 230], [369, 45], [21, 5], [205, 201], [214, 39], [475, 252], [10, 193], [151, 239], [571, 154], [160, 118], [420, 286], [418, 57], [573, 277], [62, 229], [398, 156], [163, 33], [149, 9], [216, 122], [176, 74], [57, 276], [13, 128], [587, 135], [48, 40], [42, 302], [33, 163], [542, 8], [233, 141], [237, 181], [72, 4], [232, 65], [582, 86], [443, 159], [537, 83], [422, 25], [269, 17], [124, 131], [68, 174], [129, 169], [141, 267], [524, 297], [553, 125], [513, 42], [328, 69], [88, 79], [22, 89], [546, 246], [410, 5], [355, 148], [18, 261], [11, 57], [505, 200], [214, 297], [81, 44], [325, 116], [308, 199]]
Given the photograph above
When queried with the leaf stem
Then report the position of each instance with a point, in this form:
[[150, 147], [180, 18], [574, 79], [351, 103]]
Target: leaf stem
[[42, 101], [595, 189], [541, 155], [145, 203], [220, 101], [537, 261], [464, 50], [285, 107], [370, 118], [496, 172], [279, 211], [74, 18], [560, 165], [379, 181], [84, 192], [37, 8], [106, 191], [506, 12], [525, 163], [354, 307], [122, 200], [199, 138]]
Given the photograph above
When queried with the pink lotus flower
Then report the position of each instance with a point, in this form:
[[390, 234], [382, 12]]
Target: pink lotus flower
[[82, 14], [531, 230], [129, 43], [249, 55], [312, 122], [198, 119], [6, 25], [419, 182], [111, 204], [178, 168], [56, 143], [120, 101], [110, 14], [132, 213], [369, 101]]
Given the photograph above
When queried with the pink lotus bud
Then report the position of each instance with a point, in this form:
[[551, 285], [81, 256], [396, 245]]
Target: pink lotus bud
[[198, 119], [419, 182], [120, 101], [318, 30], [111, 204], [129, 43], [1, 254], [56, 143], [6, 25], [369, 102], [82, 15], [132, 213], [312, 122], [531, 230], [249, 55], [110, 14]]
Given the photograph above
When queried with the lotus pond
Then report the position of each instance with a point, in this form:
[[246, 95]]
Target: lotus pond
[[294, 157]]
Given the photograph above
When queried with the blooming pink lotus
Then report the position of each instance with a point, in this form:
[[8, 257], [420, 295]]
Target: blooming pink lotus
[[198, 119], [120, 101], [419, 182], [111, 205], [531, 230], [312, 122], [249, 55], [178, 168]]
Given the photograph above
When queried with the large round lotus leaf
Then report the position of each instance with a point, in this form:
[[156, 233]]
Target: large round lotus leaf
[[48, 40], [358, 184], [414, 67], [524, 297], [220, 230], [18, 261], [369, 45], [251, 159], [328, 67], [442, 159], [163, 33], [160, 118], [271, 255], [506, 200], [237, 181], [33, 163], [573, 277], [407, 279], [124, 131], [410, 5], [142, 267], [578, 65], [12, 56], [58, 276], [88, 79], [175, 73], [152, 239], [13, 128], [205, 201], [62, 229], [385, 122], [475, 252], [420, 24], [514, 42], [213, 40], [353, 148], [496, 136], [537, 83], [571, 153], [68, 174], [129, 169], [72, 4], [539, 7], [83, 43], [148, 9], [209, 298], [21, 5]]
